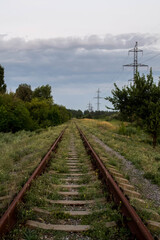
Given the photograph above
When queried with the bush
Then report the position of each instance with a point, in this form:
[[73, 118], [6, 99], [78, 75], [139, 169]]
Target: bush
[[154, 177], [13, 114], [127, 130], [16, 115]]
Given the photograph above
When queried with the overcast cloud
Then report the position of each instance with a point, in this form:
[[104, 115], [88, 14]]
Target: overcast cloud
[[75, 67]]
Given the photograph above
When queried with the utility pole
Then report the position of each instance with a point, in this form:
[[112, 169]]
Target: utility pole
[[90, 108], [98, 98], [135, 63]]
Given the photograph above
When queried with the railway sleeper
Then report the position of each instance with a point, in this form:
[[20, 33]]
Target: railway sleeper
[[74, 208], [53, 207]]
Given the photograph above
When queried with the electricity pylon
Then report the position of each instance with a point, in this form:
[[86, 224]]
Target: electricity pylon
[[98, 98], [90, 108], [135, 63]]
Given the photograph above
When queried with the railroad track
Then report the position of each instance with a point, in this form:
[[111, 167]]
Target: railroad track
[[68, 201]]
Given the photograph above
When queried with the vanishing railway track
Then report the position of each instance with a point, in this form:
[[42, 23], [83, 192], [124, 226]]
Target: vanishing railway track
[[68, 201]]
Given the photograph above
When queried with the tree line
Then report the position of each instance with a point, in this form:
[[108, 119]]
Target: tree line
[[92, 115], [27, 109]]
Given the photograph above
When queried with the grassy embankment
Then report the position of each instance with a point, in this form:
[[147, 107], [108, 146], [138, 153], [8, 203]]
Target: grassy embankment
[[20, 154], [131, 142], [136, 147]]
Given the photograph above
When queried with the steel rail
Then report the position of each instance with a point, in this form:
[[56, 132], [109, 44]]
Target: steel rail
[[9, 218], [133, 221]]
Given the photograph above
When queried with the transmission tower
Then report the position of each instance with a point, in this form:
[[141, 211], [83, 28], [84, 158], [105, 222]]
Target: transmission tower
[[90, 108], [98, 98], [135, 63]]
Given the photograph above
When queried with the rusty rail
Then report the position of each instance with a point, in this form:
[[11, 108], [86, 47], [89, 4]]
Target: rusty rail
[[9, 218], [134, 222]]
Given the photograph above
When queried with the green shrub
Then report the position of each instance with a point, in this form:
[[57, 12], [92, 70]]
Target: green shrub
[[127, 130], [155, 178]]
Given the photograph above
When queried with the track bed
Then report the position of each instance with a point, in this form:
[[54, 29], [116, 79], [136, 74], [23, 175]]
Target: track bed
[[68, 201]]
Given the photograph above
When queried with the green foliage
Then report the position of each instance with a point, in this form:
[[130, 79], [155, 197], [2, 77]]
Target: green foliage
[[76, 113], [64, 114], [157, 158], [24, 111], [54, 115], [42, 92], [141, 102], [13, 114], [98, 114], [127, 130], [155, 178], [39, 109], [44, 114], [24, 92], [30, 234], [94, 114], [2, 84]]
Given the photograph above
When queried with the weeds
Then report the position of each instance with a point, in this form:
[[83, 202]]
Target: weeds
[[30, 235], [134, 145], [42, 189], [20, 154]]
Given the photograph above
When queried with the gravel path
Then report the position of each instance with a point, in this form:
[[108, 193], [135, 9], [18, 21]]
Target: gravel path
[[145, 187]]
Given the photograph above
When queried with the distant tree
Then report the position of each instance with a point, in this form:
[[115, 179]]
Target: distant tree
[[43, 92], [24, 92], [65, 115], [88, 114], [75, 113], [79, 114], [2, 84], [54, 115]]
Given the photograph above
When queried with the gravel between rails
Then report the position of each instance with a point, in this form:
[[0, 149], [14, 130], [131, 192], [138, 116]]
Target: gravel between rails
[[147, 189]]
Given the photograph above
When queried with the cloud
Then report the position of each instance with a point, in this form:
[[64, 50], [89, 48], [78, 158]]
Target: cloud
[[72, 63], [107, 42]]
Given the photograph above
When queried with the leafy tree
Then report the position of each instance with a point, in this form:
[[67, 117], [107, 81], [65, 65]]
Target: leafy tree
[[55, 115], [2, 84], [43, 92], [140, 100], [13, 114], [24, 92], [39, 110], [21, 111], [65, 115]]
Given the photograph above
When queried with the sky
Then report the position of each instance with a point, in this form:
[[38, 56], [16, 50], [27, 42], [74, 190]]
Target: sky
[[77, 46]]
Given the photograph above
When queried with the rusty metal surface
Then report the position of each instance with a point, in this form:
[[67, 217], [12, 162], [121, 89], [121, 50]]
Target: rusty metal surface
[[133, 221], [9, 218]]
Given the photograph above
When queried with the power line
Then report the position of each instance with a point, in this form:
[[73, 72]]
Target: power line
[[152, 57], [135, 63]]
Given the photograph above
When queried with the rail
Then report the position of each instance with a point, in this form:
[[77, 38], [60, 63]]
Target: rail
[[8, 220], [134, 222]]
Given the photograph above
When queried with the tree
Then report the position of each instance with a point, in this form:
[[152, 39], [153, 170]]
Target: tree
[[24, 92], [140, 100], [55, 115], [2, 84], [75, 113], [43, 92], [65, 115], [13, 114]]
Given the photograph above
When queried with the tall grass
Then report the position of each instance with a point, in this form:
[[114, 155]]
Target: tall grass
[[131, 142], [20, 154]]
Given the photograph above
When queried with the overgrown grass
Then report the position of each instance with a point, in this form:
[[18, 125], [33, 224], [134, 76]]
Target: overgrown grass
[[131, 142], [20, 154], [42, 188]]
